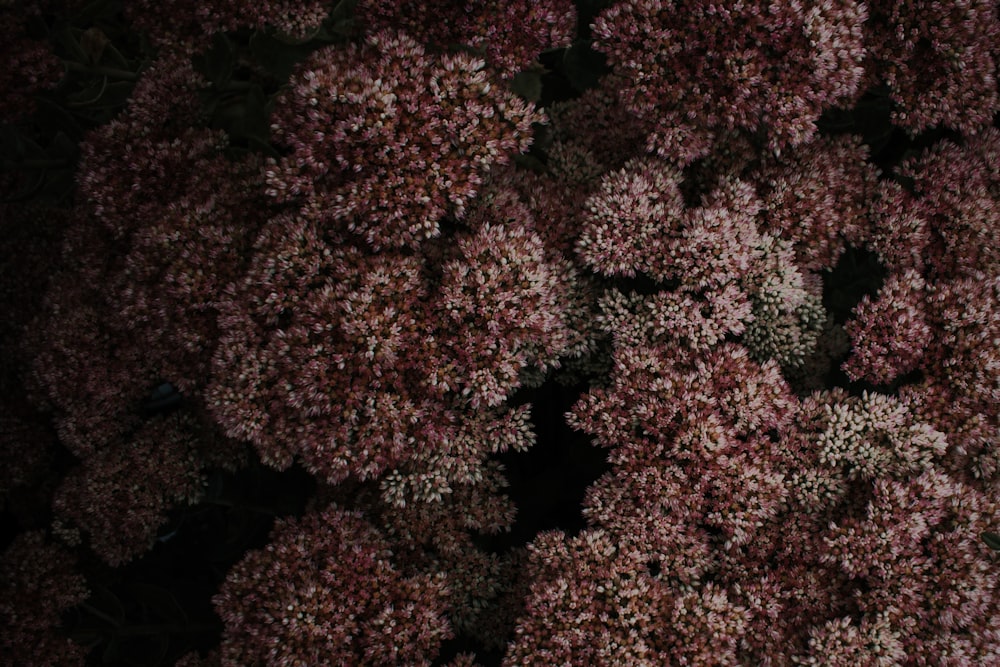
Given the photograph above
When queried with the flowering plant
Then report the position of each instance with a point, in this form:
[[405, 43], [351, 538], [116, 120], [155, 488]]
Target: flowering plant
[[646, 332]]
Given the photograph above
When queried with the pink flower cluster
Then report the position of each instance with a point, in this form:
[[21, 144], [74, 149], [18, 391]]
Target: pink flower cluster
[[187, 25], [511, 35], [385, 139], [38, 582], [325, 590], [939, 60], [702, 71], [30, 67]]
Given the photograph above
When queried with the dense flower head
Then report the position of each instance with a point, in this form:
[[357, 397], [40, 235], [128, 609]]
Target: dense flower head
[[636, 222], [890, 333], [787, 312], [593, 128], [843, 641], [120, 494], [899, 234], [956, 190], [307, 362], [939, 60], [502, 303], [971, 430], [385, 139], [187, 25], [123, 176], [662, 401], [927, 571], [510, 34], [659, 510], [965, 314], [716, 243], [593, 602], [30, 67], [697, 321], [817, 196], [628, 216], [38, 582], [326, 590], [874, 436], [702, 69]]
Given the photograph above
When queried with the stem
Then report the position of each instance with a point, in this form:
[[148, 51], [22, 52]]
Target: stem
[[225, 502], [123, 74], [35, 165]]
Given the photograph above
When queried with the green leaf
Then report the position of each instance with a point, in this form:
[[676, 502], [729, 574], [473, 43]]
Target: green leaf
[[275, 56], [528, 84], [992, 540], [67, 37], [584, 66], [217, 63], [161, 602]]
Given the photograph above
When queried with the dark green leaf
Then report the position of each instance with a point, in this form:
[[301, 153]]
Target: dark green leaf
[[528, 84], [67, 37], [584, 66], [992, 540], [160, 602], [276, 57], [217, 63]]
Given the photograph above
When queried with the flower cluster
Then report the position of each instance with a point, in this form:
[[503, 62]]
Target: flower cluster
[[120, 494], [818, 197], [326, 590], [510, 34], [385, 139], [702, 72], [30, 67], [939, 61], [38, 582], [187, 25]]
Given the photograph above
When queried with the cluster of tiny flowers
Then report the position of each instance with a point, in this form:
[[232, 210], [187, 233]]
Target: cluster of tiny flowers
[[844, 641], [38, 582], [636, 222], [314, 357], [890, 333], [29, 67], [188, 25], [502, 300], [956, 191], [385, 139], [787, 309], [935, 231], [120, 494], [705, 71], [510, 34], [123, 168], [939, 60], [928, 576], [592, 602], [817, 197], [325, 591]]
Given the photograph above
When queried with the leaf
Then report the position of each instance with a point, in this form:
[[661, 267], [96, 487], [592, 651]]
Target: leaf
[[275, 56], [584, 66], [161, 602], [66, 37], [93, 41], [992, 540], [217, 63], [528, 85]]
